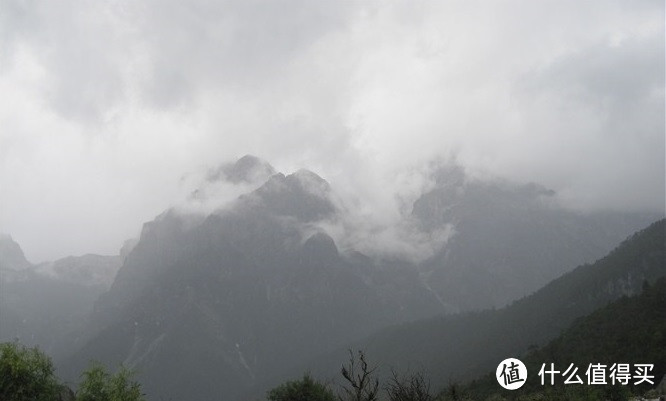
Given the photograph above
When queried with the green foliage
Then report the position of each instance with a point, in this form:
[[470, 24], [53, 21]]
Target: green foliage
[[629, 330], [99, 385], [26, 374], [305, 389], [94, 384]]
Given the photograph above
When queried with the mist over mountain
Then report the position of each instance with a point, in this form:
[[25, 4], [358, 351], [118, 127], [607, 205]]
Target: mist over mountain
[[13, 258], [240, 294], [509, 239], [47, 304], [109, 105], [215, 302], [461, 347], [434, 164], [248, 169]]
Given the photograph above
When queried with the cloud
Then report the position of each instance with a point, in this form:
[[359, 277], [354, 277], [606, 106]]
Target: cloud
[[105, 106]]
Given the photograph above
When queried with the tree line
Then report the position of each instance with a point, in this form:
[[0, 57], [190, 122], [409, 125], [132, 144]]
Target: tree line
[[27, 374]]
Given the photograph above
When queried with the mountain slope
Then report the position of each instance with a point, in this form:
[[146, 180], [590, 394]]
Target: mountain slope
[[211, 306], [47, 304], [630, 330], [461, 347], [510, 239], [218, 303]]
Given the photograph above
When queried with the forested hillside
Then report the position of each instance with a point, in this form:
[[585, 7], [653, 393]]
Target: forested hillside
[[631, 330], [459, 348]]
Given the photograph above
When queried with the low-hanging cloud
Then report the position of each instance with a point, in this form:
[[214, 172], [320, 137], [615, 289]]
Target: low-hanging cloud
[[104, 106]]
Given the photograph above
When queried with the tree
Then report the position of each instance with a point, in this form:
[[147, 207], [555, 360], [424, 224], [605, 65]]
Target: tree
[[412, 388], [305, 389], [26, 374], [362, 385], [99, 385]]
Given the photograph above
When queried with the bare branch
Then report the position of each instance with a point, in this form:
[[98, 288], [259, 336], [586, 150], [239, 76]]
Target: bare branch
[[361, 386]]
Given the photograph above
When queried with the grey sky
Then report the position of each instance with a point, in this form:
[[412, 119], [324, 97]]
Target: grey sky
[[108, 108]]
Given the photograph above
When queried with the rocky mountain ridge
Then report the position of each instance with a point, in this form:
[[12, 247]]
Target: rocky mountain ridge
[[215, 303]]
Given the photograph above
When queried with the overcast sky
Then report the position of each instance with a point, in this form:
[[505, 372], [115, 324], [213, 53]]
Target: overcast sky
[[107, 107]]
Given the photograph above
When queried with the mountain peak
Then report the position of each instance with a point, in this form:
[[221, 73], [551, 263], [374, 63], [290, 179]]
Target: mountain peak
[[247, 169], [11, 254], [302, 194], [321, 245], [449, 175], [310, 182]]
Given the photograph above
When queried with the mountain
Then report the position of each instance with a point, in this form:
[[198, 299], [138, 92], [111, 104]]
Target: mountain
[[47, 304], [210, 304], [461, 347], [630, 330], [95, 271], [509, 240], [13, 259], [247, 169]]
